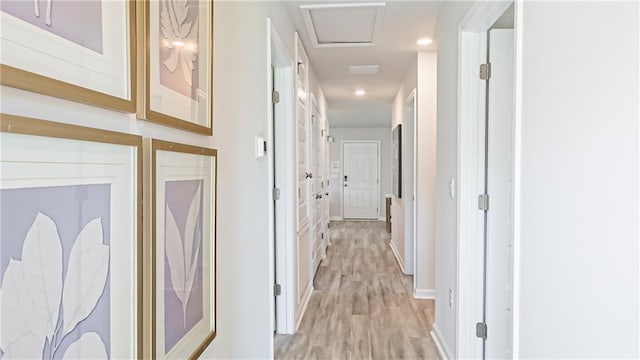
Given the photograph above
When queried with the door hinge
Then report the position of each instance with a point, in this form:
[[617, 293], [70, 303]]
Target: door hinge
[[485, 71], [275, 97], [276, 194], [277, 289], [483, 202], [481, 330]]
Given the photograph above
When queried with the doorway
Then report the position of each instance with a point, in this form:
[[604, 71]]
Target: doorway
[[409, 185], [487, 145], [282, 184], [361, 184]]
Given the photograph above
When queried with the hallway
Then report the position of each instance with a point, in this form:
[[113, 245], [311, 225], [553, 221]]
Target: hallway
[[362, 306]]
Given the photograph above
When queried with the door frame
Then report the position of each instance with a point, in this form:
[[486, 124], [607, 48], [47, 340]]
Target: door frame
[[471, 133], [281, 214], [379, 144], [414, 167]]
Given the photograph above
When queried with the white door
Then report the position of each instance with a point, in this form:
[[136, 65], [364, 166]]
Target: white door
[[360, 180], [317, 184], [499, 182], [303, 246]]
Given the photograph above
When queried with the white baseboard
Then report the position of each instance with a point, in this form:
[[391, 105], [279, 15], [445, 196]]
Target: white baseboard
[[425, 294], [305, 301], [398, 258], [441, 345], [335, 218]]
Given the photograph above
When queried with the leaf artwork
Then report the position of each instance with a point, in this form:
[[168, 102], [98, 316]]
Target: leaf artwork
[[180, 35], [36, 11], [33, 290], [181, 256]]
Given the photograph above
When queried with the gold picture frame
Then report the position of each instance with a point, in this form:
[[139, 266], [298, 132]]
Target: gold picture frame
[[28, 142], [194, 169], [19, 78], [178, 107]]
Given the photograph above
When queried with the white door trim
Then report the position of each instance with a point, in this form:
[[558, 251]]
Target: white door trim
[[414, 215], [470, 221], [379, 144], [281, 256]]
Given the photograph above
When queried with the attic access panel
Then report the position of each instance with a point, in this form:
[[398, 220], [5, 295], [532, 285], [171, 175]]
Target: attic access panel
[[343, 25]]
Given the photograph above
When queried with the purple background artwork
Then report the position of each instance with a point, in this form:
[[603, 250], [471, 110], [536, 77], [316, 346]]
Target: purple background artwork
[[178, 195], [71, 208], [77, 21], [175, 80]]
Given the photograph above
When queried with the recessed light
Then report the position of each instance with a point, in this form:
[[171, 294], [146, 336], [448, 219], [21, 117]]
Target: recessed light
[[360, 92], [424, 41]]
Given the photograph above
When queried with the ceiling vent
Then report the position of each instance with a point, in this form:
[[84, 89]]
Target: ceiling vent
[[364, 69], [343, 25]]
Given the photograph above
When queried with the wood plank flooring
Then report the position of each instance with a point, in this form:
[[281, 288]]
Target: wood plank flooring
[[362, 306]]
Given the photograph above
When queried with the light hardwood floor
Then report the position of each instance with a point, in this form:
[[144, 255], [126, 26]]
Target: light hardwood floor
[[362, 306]]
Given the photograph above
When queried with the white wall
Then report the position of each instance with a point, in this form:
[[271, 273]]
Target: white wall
[[244, 322], [398, 109], [422, 76], [335, 154], [579, 195], [446, 249], [579, 276], [426, 174]]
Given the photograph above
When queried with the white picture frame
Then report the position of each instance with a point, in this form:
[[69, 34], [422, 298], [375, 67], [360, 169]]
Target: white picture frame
[[182, 334], [39, 59], [103, 310]]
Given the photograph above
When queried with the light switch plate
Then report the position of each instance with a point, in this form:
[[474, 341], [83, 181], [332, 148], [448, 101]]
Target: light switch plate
[[260, 147], [452, 188]]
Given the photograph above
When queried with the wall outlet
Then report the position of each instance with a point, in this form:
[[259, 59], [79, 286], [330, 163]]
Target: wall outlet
[[451, 298]]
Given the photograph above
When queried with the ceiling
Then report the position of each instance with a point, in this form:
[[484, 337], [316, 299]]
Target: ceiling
[[402, 23]]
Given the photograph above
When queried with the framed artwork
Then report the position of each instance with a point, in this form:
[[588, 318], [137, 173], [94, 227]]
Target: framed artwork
[[175, 39], [182, 248], [79, 50], [396, 165], [71, 240]]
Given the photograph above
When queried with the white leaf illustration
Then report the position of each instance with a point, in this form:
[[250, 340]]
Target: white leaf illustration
[[89, 346], [42, 271], [86, 275], [193, 238], [17, 311], [175, 255], [172, 62], [180, 254], [180, 36], [47, 18], [190, 229], [27, 346]]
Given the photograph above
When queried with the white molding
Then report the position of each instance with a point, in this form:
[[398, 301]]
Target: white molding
[[395, 253], [305, 301], [425, 294], [517, 176], [382, 218], [281, 256], [441, 345], [470, 173], [336, 218]]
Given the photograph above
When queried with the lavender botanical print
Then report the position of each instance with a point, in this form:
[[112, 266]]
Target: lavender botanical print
[[54, 268], [178, 46], [77, 21], [183, 296]]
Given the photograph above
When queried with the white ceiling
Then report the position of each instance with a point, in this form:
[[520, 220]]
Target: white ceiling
[[403, 22]]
